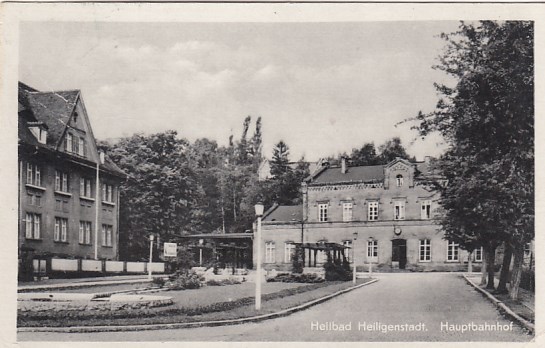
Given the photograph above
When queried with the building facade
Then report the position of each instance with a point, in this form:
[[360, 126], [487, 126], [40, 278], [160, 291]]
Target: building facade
[[68, 189], [385, 215]]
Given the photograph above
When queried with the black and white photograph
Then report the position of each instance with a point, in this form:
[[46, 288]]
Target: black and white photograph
[[272, 172]]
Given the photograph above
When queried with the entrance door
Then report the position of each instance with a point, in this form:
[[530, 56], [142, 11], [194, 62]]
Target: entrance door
[[399, 252]]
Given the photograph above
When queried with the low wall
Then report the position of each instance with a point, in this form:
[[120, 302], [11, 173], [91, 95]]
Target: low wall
[[79, 267]]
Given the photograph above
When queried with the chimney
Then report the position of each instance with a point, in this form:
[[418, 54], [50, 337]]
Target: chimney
[[343, 165]]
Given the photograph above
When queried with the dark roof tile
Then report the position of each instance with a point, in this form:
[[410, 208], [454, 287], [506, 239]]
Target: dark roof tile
[[355, 174], [285, 213]]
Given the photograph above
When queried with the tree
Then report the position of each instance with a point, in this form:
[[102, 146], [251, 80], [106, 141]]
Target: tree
[[280, 161], [392, 149], [364, 156], [487, 118]]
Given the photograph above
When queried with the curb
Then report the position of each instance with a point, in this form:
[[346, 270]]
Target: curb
[[506, 310], [282, 313]]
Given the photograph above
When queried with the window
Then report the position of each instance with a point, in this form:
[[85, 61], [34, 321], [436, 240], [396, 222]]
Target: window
[[322, 212], [478, 254], [85, 232], [81, 147], [74, 144], [85, 188], [33, 175], [107, 193], [425, 210], [347, 211], [321, 256], [372, 211], [61, 226], [425, 250], [269, 252], [107, 235], [69, 142], [348, 252], [372, 249], [399, 180], [34, 198], [452, 251], [33, 222], [61, 181], [399, 210], [289, 250]]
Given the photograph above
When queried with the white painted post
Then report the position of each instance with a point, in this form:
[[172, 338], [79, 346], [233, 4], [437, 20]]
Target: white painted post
[[150, 255], [259, 213]]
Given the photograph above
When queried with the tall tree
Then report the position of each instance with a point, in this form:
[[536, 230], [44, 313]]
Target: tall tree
[[487, 117], [391, 149], [280, 160], [364, 156]]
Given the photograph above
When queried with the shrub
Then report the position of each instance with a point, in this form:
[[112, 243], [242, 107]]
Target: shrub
[[222, 282], [297, 263], [296, 278], [159, 281], [337, 271], [528, 280], [185, 279]]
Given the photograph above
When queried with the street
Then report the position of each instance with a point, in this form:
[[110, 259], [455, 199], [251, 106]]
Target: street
[[418, 306]]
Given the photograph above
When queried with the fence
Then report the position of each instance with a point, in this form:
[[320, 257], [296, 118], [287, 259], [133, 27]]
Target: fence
[[79, 267]]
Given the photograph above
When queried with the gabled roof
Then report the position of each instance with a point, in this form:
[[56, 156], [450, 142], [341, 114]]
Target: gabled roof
[[285, 213], [355, 174], [54, 109]]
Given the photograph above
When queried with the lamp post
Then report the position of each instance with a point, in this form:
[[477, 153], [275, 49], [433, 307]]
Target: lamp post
[[354, 258], [201, 242], [151, 236], [259, 213]]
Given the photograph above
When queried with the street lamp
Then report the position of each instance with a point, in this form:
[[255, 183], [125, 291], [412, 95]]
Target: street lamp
[[354, 258], [259, 213], [201, 242], [151, 237]]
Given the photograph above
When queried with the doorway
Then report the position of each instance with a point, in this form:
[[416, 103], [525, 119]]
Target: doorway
[[399, 252]]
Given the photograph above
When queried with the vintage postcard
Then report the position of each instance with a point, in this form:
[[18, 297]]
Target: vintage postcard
[[271, 172]]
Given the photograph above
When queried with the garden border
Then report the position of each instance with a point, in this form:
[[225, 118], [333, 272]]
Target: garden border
[[111, 328], [502, 307]]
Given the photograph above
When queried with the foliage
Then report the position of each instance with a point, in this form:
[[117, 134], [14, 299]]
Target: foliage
[[337, 270], [296, 278], [364, 156], [159, 281], [528, 280], [392, 149], [487, 117], [184, 279], [298, 260], [185, 259], [222, 282]]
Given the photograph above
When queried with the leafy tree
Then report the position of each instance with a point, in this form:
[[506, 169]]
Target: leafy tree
[[364, 156], [487, 118], [391, 149]]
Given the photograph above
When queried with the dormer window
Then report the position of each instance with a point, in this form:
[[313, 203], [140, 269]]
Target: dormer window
[[39, 132], [399, 180]]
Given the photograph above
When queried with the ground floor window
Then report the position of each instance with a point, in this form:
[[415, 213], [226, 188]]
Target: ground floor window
[[61, 226], [478, 254], [269, 252], [425, 250], [85, 232], [289, 250], [452, 251], [107, 235], [348, 251], [372, 249], [33, 223]]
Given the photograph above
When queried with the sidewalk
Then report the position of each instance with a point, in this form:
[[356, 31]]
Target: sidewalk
[[52, 284], [526, 298]]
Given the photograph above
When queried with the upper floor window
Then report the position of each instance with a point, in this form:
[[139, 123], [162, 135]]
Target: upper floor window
[[347, 211], [33, 226], [107, 231], [75, 144], [322, 212], [372, 211], [107, 193], [34, 198], [33, 174], [270, 252], [425, 209], [399, 210], [85, 188], [60, 233], [61, 181], [452, 251], [289, 251], [399, 180]]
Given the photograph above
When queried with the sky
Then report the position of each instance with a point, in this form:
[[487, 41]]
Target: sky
[[323, 88]]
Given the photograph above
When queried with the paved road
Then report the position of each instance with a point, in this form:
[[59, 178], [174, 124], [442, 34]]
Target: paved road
[[425, 303]]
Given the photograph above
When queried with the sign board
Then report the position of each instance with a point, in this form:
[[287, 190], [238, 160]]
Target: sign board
[[170, 249]]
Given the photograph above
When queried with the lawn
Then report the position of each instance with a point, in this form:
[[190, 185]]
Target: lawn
[[205, 304]]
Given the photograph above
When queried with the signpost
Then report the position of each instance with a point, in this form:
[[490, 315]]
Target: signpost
[[171, 249]]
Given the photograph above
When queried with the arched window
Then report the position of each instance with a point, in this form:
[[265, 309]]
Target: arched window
[[399, 180]]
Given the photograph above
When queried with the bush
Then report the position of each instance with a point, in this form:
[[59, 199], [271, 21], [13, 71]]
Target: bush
[[222, 282], [185, 279], [296, 278], [159, 281], [297, 263], [337, 271]]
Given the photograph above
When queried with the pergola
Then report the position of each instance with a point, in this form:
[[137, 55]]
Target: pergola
[[335, 250]]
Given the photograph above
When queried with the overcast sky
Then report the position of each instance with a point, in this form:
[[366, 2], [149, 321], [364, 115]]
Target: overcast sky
[[323, 88]]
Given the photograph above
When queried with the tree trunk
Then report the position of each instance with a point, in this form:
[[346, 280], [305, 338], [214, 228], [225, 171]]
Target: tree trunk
[[483, 267], [490, 263], [518, 252], [504, 275]]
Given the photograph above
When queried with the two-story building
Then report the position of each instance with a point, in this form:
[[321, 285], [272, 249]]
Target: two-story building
[[68, 189], [383, 214]]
